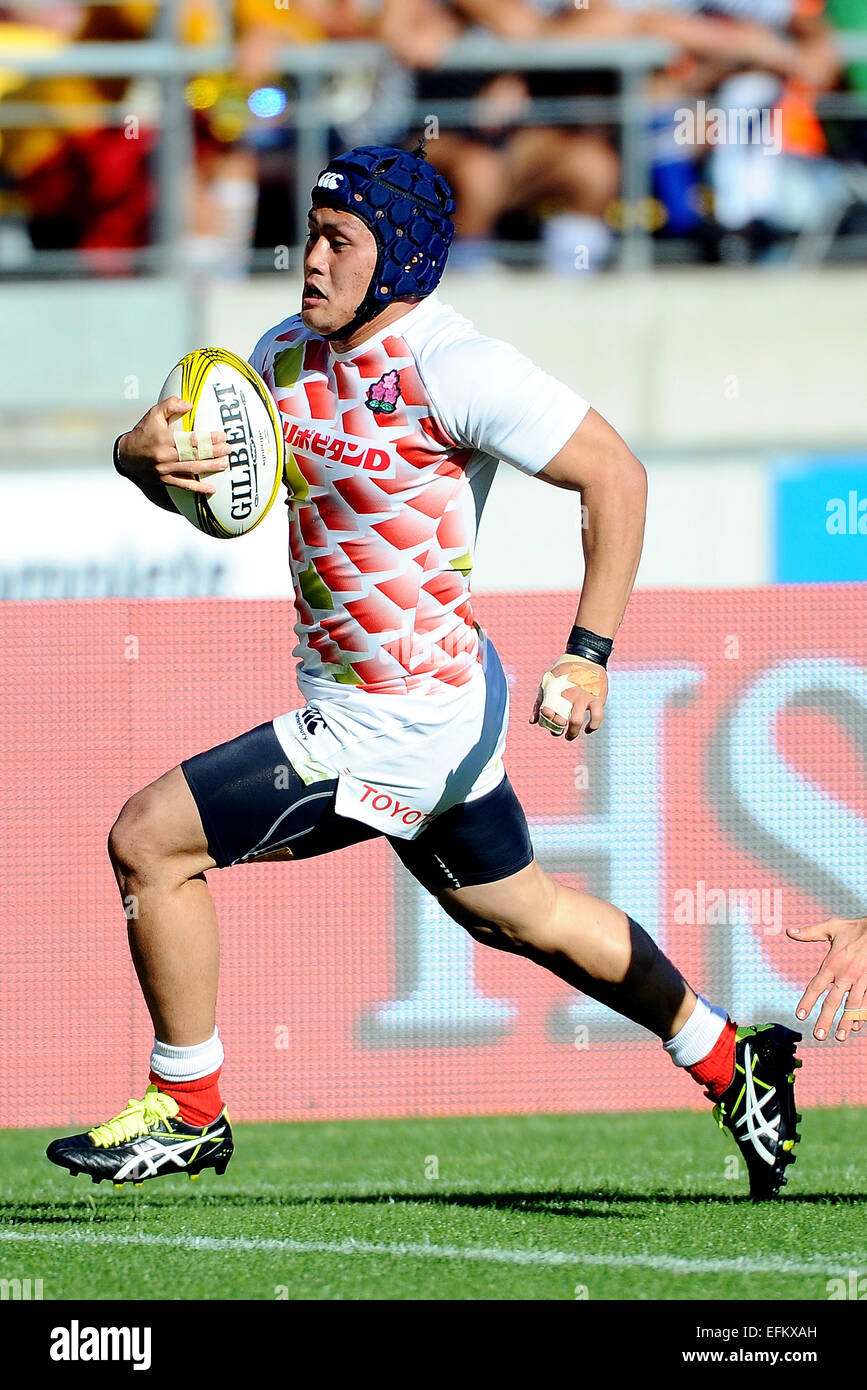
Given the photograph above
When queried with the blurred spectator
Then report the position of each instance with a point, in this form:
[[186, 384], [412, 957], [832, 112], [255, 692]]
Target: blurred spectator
[[86, 182], [496, 162], [245, 144], [83, 183], [78, 183], [772, 56], [262, 27], [773, 63]]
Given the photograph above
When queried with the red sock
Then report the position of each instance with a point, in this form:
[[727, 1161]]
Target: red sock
[[717, 1069], [199, 1102]]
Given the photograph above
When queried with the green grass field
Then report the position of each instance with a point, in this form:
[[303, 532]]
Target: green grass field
[[535, 1207]]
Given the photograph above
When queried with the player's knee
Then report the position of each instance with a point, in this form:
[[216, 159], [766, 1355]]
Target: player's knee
[[505, 933], [136, 844], [523, 921], [487, 933]]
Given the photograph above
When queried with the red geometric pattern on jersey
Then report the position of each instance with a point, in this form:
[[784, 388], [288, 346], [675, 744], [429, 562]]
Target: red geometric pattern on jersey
[[449, 530], [434, 431], [406, 531], [411, 388], [322, 400], [381, 506], [357, 420], [344, 377], [296, 542], [370, 365], [300, 409], [394, 347], [313, 530], [315, 355], [361, 495]]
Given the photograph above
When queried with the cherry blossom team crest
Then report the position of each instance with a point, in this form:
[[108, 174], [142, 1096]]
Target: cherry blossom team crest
[[382, 396]]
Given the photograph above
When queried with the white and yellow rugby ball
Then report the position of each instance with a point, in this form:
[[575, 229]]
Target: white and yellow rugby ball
[[227, 394]]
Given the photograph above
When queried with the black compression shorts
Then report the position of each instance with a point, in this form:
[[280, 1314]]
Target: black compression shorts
[[252, 802]]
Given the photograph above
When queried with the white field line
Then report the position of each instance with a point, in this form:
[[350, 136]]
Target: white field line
[[671, 1264]]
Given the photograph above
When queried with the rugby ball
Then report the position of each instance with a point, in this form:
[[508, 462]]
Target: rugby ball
[[227, 394]]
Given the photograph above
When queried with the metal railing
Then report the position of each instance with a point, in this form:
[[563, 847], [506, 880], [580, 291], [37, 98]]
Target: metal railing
[[170, 65]]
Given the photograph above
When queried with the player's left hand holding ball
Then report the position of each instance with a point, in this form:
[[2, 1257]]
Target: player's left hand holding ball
[[149, 453], [572, 689]]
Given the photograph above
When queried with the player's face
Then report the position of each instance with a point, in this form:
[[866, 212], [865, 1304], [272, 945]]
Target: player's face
[[339, 259]]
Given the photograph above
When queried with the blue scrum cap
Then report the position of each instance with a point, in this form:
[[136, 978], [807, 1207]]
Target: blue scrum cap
[[408, 207]]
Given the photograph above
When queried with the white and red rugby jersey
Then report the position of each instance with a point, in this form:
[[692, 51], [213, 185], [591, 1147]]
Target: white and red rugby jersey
[[391, 450]]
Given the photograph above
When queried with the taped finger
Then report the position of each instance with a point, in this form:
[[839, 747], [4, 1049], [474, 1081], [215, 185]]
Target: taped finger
[[550, 724], [855, 1011], [193, 445], [587, 678], [204, 444], [184, 445], [552, 698]]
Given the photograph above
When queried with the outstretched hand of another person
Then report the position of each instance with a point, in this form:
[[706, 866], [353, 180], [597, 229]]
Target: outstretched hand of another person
[[841, 978]]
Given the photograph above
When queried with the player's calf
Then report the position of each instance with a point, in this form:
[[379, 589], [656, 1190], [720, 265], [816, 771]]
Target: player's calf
[[748, 1072], [159, 852]]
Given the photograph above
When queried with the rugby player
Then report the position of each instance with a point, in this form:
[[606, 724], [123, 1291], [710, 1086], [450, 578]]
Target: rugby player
[[396, 413]]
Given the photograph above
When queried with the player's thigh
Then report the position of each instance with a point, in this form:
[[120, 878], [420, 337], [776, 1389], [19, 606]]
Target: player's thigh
[[253, 805]]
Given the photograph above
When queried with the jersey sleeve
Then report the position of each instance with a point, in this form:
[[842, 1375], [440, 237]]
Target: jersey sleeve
[[489, 396], [283, 336], [257, 357]]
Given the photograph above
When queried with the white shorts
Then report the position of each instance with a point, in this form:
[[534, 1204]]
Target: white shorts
[[400, 760]]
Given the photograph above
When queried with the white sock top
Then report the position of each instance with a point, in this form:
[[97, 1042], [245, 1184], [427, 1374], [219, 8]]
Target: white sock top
[[698, 1035], [187, 1063]]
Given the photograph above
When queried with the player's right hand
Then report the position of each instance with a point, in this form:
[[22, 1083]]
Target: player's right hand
[[148, 452], [585, 695]]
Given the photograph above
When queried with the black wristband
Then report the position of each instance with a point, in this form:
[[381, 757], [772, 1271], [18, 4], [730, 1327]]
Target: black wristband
[[590, 645], [115, 457]]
